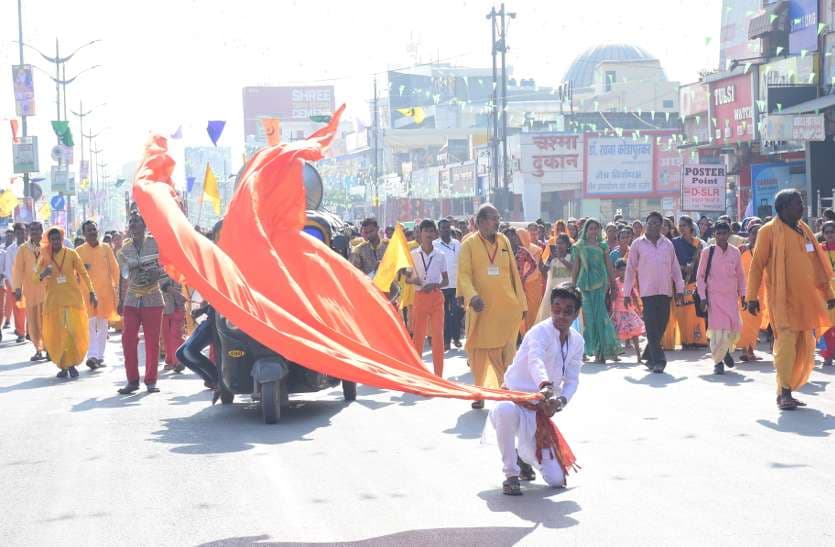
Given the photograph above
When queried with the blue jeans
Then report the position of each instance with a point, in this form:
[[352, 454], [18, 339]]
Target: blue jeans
[[190, 354]]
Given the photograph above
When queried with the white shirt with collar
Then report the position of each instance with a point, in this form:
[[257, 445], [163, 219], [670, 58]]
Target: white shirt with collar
[[429, 267], [11, 253], [451, 252], [542, 358]]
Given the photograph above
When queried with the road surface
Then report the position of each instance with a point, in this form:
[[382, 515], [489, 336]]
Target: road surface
[[685, 458]]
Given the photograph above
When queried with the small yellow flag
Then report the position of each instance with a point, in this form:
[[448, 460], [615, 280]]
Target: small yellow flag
[[8, 202], [396, 258], [210, 189], [44, 211], [417, 113]]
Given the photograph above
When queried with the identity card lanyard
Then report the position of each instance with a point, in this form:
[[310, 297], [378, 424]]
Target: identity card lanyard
[[60, 274], [492, 269], [425, 265]]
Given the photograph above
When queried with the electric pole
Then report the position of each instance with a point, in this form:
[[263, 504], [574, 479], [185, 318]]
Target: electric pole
[[27, 188], [376, 190], [498, 27]]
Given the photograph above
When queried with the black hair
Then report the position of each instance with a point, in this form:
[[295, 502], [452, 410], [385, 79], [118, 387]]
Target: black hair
[[17, 225], [427, 224], [828, 214], [722, 225], [828, 224], [687, 220], [87, 222], [784, 197], [620, 263], [35, 223], [736, 227], [657, 215], [628, 231], [369, 222], [444, 221], [564, 238], [51, 231], [568, 291]]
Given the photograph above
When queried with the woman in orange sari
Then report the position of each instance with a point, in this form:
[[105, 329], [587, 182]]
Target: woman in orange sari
[[688, 248], [752, 324], [534, 284]]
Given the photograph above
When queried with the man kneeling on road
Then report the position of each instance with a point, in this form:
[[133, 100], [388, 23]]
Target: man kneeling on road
[[548, 361]]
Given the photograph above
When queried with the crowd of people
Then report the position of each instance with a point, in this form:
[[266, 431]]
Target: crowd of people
[[529, 303]]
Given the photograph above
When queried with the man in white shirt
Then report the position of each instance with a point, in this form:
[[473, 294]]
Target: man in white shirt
[[11, 309], [430, 275], [548, 361], [453, 307]]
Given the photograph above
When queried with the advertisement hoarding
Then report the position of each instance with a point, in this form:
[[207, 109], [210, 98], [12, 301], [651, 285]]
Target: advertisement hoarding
[[769, 178], [694, 99], [462, 180], [288, 103], [803, 26], [668, 164], [618, 167], [732, 112], [733, 36], [806, 127], [703, 187], [24, 90], [25, 155]]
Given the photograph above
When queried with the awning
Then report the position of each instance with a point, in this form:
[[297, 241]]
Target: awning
[[814, 105], [775, 19]]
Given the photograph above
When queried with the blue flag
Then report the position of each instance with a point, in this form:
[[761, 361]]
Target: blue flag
[[190, 183], [215, 128]]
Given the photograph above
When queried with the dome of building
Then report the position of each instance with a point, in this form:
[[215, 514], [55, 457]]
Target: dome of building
[[581, 72]]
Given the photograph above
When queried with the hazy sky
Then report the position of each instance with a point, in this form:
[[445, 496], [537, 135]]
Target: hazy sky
[[183, 62]]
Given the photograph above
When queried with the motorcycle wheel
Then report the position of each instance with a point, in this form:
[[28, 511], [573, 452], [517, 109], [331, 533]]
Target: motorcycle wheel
[[270, 401], [349, 391]]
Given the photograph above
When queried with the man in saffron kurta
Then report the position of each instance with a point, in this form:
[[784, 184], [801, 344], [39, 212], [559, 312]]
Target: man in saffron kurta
[[28, 290], [101, 265], [489, 282], [66, 283], [797, 285], [722, 291]]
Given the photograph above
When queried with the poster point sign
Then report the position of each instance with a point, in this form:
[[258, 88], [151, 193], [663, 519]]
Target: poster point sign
[[703, 187]]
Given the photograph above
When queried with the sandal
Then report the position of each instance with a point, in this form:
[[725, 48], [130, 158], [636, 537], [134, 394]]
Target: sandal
[[798, 402], [526, 472], [511, 487], [786, 403]]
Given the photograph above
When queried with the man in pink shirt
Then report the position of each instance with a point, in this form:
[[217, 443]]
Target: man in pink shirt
[[652, 268], [722, 290]]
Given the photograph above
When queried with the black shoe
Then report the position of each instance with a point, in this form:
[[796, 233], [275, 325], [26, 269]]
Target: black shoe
[[658, 369], [37, 357], [20, 340], [728, 360], [131, 387], [152, 388], [827, 362], [73, 372], [100, 363], [62, 374], [7, 325], [526, 472], [719, 368], [477, 405], [511, 487], [91, 364]]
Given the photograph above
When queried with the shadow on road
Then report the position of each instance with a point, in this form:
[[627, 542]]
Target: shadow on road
[[15, 366], [813, 388], [37, 383], [223, 429], [117, 401], [807, 422], [534, 506], [655, 380], [728, 379], [494, 535], [469, 425]]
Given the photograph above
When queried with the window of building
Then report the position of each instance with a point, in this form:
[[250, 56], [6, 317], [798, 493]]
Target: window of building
[[668, 103], [611, 78]]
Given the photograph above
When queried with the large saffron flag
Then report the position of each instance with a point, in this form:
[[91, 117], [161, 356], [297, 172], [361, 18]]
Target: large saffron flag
[[396, 257], [276, 283], [210, 189]]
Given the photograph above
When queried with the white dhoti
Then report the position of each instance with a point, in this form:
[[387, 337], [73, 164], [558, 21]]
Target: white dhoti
[[516, 433], [98, 337], [721, 343]]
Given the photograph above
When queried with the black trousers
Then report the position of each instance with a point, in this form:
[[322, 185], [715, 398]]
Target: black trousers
[[656, 317], [452, 317]]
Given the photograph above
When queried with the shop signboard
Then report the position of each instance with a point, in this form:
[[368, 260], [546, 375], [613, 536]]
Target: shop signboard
[[769, 178], [732, 112], [552, 159], [618, 167], [668, 164], [794, 70], [803, 26], [462, 180], [703, 187], [287, 103], [786, 127]]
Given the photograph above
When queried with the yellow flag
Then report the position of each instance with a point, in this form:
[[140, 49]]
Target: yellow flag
[[45, 210], [210, 189], [417, 113], [8, 202], [396, 258]]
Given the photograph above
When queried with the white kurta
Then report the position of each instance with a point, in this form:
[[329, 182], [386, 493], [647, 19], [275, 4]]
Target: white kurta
[[541, 358]]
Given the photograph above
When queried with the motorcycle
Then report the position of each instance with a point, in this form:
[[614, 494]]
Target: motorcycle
[[247, 367]]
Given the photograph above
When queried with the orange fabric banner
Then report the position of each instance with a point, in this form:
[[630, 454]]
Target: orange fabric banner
[[286, 289], [272, 130]]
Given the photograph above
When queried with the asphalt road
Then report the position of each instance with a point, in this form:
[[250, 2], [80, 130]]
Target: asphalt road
[[685, 458]]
